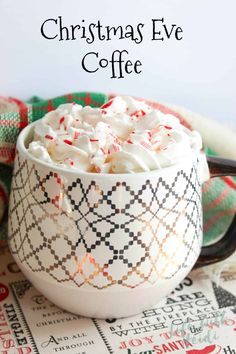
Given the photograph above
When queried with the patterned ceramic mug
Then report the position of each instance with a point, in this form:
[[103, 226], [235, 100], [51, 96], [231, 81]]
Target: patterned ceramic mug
[[108, 245]]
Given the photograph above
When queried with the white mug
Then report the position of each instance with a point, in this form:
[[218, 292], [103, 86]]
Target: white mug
[[105, 245]]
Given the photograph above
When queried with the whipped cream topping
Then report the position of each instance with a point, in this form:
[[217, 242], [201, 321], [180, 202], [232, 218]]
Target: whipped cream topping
[[123, 136]]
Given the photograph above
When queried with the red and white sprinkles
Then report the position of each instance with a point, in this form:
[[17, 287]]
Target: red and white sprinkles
[[123, 136]]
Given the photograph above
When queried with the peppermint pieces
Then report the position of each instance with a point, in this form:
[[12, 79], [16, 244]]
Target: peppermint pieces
[[124, 135]]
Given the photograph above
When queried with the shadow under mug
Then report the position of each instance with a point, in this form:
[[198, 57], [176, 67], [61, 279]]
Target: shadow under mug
[[110, 245]]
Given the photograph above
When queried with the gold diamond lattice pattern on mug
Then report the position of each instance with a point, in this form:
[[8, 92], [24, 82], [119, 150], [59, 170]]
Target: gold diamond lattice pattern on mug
[[87, 244]]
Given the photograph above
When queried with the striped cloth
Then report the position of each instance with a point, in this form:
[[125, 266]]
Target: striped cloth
[[219, 194]]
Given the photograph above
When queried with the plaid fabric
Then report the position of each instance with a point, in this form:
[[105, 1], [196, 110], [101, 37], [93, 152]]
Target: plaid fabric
[[219, 194], [219, 204]]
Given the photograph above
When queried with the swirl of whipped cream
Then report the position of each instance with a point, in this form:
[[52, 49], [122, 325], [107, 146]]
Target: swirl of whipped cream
[[123, 136]]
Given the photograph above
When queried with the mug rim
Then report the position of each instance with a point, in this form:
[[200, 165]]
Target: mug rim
[[20, 146]]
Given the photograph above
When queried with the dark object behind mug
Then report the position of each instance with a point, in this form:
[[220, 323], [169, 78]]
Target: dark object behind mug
[[226, 246]]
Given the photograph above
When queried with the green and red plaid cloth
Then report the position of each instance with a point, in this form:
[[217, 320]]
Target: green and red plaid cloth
[[219, 194]]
